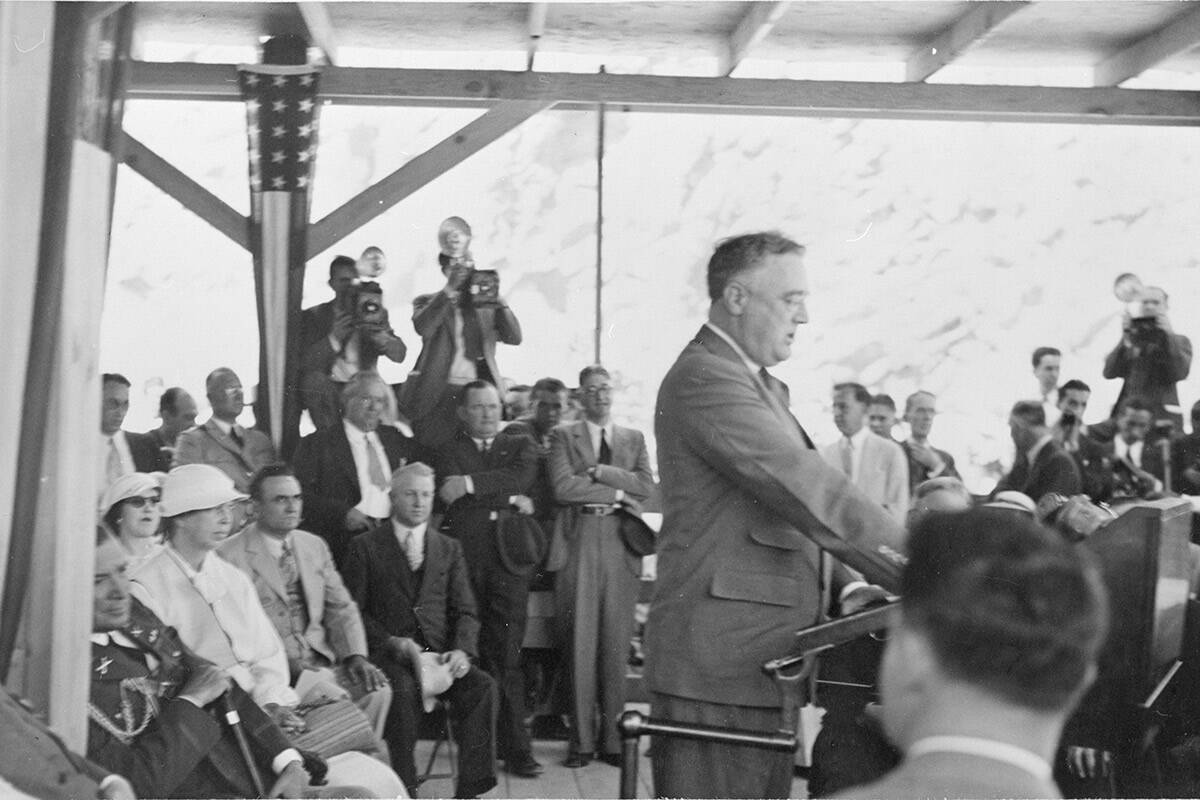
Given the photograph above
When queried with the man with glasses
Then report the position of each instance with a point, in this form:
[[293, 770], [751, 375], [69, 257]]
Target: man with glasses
[[345, 469], [596, 466], [221, 442]]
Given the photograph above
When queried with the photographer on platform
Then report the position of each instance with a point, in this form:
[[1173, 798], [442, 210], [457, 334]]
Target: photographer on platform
[[342, 337], [459, 327], [1151, 357]]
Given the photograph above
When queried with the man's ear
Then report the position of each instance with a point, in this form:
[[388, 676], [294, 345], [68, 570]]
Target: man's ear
[[734, 298]]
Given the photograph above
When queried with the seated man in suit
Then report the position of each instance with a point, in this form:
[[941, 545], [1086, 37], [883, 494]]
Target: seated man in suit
[[121, 452], [221, 442], [411, 583], [1092, 457], [344, 469], [874, 464], [597, 465], [1185, 457], [1137, 463], [303, 594], [924, 460], [177, 410], [215, 609], [1040, 466], [485, 479], [459, 329], [154, 714], [341, 337], [1001, 625]]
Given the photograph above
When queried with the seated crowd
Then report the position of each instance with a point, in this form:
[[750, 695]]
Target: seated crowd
[[334, 596]]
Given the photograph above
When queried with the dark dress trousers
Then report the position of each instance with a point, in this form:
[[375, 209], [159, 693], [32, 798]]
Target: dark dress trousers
[[185, 751], [747, 504], [501, 592], [434, 607], [329, 479]]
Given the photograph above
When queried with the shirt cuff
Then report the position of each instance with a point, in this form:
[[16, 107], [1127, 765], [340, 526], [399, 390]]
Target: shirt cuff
[[470, 484], [850, 587], [109, 780], [285, 757], [620, 496]]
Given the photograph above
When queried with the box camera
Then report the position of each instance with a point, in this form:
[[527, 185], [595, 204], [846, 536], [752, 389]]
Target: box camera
[[368, 304], [484, 286]]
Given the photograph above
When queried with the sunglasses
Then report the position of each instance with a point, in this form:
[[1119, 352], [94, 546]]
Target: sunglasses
[[138, 502]]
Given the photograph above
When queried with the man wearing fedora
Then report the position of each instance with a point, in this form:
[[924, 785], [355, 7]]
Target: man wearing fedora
[[411, 585], [485, 480]]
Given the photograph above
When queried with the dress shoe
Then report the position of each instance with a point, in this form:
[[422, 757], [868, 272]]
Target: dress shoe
[[575, 760], [523, 766], [612, 759]]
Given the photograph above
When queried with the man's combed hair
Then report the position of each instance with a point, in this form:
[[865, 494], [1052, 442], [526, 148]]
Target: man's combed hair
[[553, 385], [1007, 605], [342, 262], [884, 400], [1031, 411], [738, 254], [114, 377], [860, 393], [1074, 385], [1042, 352], [591, 370], [277, 470], [473, 386]]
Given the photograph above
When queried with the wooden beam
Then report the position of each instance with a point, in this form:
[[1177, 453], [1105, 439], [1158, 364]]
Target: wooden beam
[[662, 93], [191, 195], [1179, 36], [375, 200], [320, 28], [967, 31], [754, 26], [535, 26]]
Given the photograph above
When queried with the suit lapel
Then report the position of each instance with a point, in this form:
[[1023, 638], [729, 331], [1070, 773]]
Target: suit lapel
[[394, 560], [583, 443], [345, 456], [310, 581], [262, 563]]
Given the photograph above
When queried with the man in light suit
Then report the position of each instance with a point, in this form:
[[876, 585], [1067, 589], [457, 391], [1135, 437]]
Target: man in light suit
[[412, 585], [121, 452], [221, 442], [303, 594], [595, 465], [1001, 624], [344, 470], [875, 464], [747, 503], [458, 333]]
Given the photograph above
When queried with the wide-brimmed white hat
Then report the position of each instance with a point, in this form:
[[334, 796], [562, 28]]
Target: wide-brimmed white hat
[[135, 484], [194, 487], [1013, 501]]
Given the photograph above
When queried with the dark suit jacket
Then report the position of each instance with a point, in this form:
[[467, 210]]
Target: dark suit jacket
[[316, 353], [1151, 372], [325, 467], [434, 606], [185, 751], [163, 457], [433, 318], [918, 473], [1053, 471], [145, 451], [35, 761], [208, 444], [508, 469], [1185, 452], [746, 500], [542, 490], [1095, 468]]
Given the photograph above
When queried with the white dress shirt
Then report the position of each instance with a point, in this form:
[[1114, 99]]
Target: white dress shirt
[[126, 455], [374, 502], [857, 442], [1018, 757], [462, 369], [412, 543]]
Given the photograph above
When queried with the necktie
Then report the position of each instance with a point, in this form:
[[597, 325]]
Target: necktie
[[411, 551], [374, 468], [236, 436], [605, 450], [847, 457], [287, 565], [113, 468], [485, 446]]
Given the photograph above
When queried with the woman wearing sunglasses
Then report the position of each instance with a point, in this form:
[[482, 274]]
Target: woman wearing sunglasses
[[130, 510]]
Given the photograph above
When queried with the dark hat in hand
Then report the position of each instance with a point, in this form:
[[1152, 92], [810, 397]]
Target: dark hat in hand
[[522, 543], [636, 535]]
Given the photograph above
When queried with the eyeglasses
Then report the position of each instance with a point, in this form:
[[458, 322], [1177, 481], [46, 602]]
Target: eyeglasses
[[139, 501], [593, 391]]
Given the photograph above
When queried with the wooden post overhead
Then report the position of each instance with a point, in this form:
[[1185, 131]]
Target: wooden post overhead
[[320, 28], [375, 200], [754, 26], [668, 93], [1179, 36], [191, 195], [967, 31], [535, 27]]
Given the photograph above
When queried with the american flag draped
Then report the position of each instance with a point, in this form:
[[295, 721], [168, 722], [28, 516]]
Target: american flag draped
[[281, 116]]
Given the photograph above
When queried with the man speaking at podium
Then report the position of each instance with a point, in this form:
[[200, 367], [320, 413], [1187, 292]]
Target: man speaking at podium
[[747, 503]]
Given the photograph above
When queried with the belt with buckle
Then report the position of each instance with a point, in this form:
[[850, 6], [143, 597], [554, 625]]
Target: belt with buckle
[[597, 509]]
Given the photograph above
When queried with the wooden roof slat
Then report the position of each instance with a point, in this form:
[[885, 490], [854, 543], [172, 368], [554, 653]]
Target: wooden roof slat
[[320, 28], [967, 31], [753, 27], [1178, 37]]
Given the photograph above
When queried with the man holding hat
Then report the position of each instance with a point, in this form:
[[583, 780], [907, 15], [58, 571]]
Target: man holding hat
[[411, 585], [215, 609], [459, 328]]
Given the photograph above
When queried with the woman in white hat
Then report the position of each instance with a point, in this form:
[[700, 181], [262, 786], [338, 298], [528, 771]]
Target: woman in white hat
[[130, 509]]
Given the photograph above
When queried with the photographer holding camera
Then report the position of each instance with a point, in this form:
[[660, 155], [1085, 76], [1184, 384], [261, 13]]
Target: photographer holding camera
[[1151, 357], [459, 327], [342, 337]]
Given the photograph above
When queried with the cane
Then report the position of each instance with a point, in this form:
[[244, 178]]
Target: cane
[[235, 724]]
